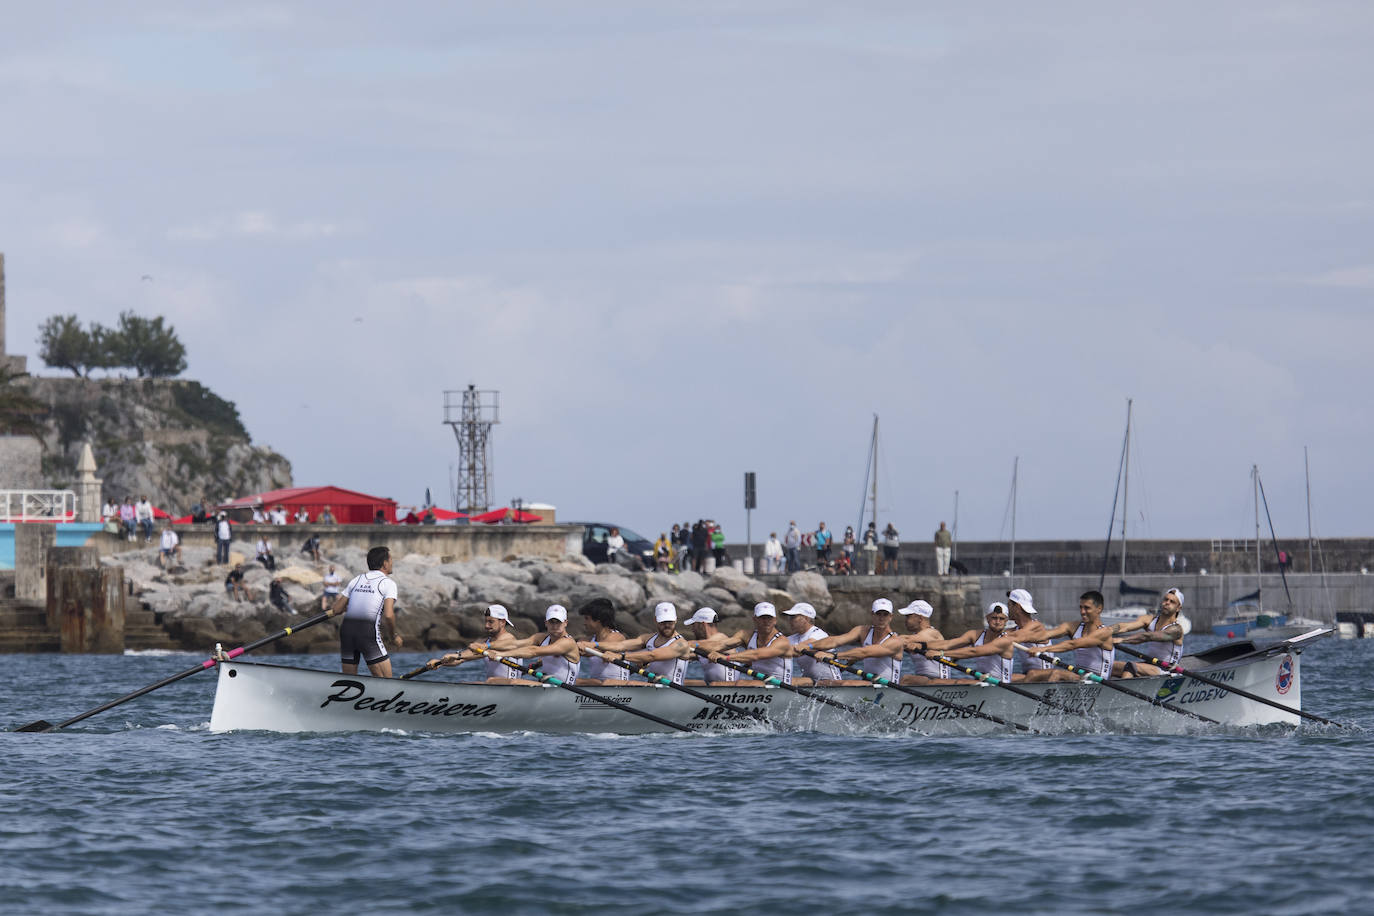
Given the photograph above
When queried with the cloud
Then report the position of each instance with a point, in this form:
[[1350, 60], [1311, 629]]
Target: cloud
[[259, 225], [1361, 277]]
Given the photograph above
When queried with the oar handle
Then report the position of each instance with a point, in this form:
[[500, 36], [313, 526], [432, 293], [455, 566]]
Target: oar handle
[[1099, 679], [772, 681], [644, 671]]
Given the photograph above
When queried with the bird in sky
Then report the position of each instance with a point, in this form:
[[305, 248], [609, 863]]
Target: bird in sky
[[147, 277]]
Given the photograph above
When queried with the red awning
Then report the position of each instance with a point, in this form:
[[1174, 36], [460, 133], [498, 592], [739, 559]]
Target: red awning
[[506, 513], [443, 515]]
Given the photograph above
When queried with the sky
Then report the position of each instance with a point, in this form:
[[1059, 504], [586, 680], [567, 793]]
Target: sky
[[685, 240]]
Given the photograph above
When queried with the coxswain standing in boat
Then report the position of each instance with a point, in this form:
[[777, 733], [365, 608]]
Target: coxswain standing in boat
[[876, 647], [919, 629], [496, 621], [598, 619], [988, 650], [368, 603], [706, 635], [802, 622], [664, 651], [765, 650], [556, 650], [1092, 642], [1161, 637]]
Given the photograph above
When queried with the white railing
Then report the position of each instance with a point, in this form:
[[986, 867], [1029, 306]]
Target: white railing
[[37, 506]]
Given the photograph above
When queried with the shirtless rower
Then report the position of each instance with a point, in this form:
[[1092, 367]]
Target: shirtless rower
[[598, 619], [496, 621], [1092, 640], [919, 629], [802, 622], [876, 647], [664, 651], [765, 650], [556, 650], [706, 635], [988, 649], [1160, 636]]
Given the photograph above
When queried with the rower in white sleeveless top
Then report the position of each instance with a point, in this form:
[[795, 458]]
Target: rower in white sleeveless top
[[598, 619], [917, 616], [496, 621], [1160, 636], [706, 635], [664, 651], [1092, 642], [987, 649], [1031, 631], [556, 650], [875, 646], [808, 670], [765, 650]]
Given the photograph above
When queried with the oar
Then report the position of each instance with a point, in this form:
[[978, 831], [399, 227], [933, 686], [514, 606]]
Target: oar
[[1005, 685], [427, 666], [668, 682], [42, 726], [550, 679], [884, 682], [1179, 669], [772, 681], [1099, 679]]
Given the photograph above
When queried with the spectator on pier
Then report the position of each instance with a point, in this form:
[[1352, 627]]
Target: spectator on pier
[[791, 545], [684, 546], [279, 515], [301, 517], [109, 511], [701, 537], [143, 513], [326, 517], [822, 540], [772, 554], [944, 547], [890, 545], [259, 515], [847, 548], [223, 535], [870, 546], [379, 518], [663, 552]]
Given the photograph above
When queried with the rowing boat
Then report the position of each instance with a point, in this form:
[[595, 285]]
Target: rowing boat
[[278, 698]]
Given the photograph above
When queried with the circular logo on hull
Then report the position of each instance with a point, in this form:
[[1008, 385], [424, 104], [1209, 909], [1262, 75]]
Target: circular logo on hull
[[1283, 681]]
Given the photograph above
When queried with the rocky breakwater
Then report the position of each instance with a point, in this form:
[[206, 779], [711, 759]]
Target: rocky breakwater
[[441, 604]]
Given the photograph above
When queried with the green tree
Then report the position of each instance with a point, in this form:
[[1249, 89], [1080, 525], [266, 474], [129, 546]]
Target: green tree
[[20, 412], [64, 344], [144, 345]]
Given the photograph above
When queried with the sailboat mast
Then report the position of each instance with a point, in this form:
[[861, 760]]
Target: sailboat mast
[[875, 471], [1307, 473], [1259, 581], [954, 534], [1015, 467], [1125, 487]]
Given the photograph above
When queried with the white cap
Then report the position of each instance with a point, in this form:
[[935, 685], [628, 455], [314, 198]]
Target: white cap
[[921, 608], [1177, 594], [882, 604], [556, 612], [498, 612], [664, 611], [1023, 598], [703, 615], [803, 609], [765, 609], [996, 607]]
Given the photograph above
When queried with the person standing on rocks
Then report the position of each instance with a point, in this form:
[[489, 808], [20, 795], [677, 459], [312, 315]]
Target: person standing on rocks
[[700, 538], [368, 605], [332, 581], [772, 554], [891, 543], [822, 541], [944, 548], [847, 548], [791, 542], [223, 536], [871, 546]]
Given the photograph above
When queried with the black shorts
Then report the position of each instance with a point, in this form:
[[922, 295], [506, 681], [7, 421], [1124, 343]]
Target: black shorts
[[358, 637]]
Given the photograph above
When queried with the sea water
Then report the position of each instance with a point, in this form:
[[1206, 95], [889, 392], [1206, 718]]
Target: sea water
[[142, 810]]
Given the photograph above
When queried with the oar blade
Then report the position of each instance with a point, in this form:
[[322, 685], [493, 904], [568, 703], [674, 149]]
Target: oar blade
[[41, 725]]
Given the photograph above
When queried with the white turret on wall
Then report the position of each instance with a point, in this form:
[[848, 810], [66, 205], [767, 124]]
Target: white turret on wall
[[88, 492]]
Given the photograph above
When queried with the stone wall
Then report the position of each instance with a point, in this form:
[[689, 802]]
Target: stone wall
[[21, 463]]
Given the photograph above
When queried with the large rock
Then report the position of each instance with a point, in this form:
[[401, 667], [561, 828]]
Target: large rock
[[811, 588], [730, 579], [300, 575]]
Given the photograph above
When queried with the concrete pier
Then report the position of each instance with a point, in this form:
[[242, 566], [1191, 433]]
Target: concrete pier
[[85, 601]]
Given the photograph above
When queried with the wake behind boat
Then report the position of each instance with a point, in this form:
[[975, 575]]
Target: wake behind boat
[[266, 697]]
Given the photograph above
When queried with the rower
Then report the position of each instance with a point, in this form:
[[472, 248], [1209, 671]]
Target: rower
[[919, 629], [988, 650], [663, 651], [496, 621], [1160, 636], [876, 644], [706, 635], [598, 618], [1092, 639], [1031, 632], [804, 629], [556, 650], [766, 650]]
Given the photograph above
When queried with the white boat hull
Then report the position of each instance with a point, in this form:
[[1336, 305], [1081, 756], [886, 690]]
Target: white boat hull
[[283, 699]]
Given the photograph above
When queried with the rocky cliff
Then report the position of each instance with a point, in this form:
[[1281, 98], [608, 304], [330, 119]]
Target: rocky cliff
[[170, 439]]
